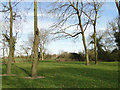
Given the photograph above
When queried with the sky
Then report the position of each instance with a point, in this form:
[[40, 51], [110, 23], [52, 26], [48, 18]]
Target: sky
[[109, 12]]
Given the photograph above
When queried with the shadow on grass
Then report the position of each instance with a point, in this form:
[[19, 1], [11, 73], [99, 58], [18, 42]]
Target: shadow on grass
[[27, 72]]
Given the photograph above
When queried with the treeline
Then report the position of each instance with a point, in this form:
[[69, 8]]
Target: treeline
[[107, 56]]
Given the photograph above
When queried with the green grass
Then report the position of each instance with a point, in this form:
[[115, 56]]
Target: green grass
[[63, 75]]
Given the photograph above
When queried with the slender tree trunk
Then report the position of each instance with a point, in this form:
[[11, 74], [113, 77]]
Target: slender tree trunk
[[42, 51], [42, 54], [85, 47], [36, 37], [95, 46], [13, 53], [11, 41], [83, 38]]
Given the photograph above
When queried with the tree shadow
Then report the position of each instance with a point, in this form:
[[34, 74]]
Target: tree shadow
[[28, 73]]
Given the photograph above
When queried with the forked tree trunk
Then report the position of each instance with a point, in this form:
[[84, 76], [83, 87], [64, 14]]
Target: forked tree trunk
[[11, 41], [36, 38]]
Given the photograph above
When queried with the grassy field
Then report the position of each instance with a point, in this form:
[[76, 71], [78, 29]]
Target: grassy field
[[63, 75]]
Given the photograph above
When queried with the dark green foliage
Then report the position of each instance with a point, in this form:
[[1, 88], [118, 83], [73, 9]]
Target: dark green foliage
[[115, 55], [117, 38], [105, 55], [70, 57]]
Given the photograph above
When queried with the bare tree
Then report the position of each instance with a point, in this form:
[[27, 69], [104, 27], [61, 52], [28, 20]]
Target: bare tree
[[93, 15], [72, 11], [44, 39], [7, 39], [26, 48], [36, 38], [10, 8]]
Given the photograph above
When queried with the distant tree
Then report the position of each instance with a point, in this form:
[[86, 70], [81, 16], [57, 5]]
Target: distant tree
[[99, 44], [25, 48], [113, 29], [43, 40]]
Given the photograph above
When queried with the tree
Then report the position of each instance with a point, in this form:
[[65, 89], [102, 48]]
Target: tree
[[69, 11], [99, 44], [10, 8], [112, 32], [31, 44], [7, 39], [117, 35], [36, 38], [93, 19], [11, 40], [26, 48], [43, 40]]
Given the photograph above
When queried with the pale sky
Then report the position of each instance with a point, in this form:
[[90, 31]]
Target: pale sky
[[109, 12]]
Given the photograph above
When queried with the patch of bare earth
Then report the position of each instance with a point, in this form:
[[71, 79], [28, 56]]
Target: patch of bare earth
[[7, 74], [37, 77]]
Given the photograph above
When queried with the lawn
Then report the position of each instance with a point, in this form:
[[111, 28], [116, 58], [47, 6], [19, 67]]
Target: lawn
[[63, 75]]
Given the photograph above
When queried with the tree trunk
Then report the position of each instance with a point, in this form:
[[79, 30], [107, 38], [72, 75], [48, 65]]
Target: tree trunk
[[36, 37], [95, 46], [42, 51], [11, 41], [85, 47], [13, 52], [42, 54], [83, 38]]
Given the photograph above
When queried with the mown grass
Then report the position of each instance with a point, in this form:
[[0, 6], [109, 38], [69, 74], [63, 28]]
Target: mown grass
[[63, 75]]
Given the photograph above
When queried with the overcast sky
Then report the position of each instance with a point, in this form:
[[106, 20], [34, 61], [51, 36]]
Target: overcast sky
[[109, 12]]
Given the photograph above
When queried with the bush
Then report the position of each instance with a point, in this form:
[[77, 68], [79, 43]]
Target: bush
[[70, 57]]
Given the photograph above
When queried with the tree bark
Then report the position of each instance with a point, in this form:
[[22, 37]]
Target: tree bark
[[42, 54], [13, 52], [83, 38], [42, 51], [95, 46], [36, 37], [11, 41], [95, 40]]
